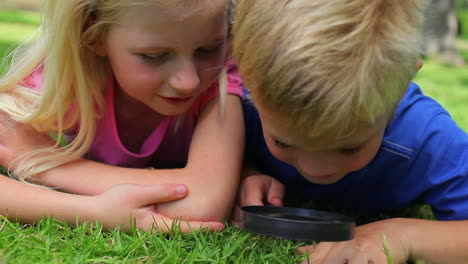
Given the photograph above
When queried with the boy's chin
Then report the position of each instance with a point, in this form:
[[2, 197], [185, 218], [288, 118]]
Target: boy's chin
[[323, 179]]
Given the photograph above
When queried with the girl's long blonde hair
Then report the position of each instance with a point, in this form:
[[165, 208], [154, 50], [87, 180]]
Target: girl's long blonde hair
[[74, 79]]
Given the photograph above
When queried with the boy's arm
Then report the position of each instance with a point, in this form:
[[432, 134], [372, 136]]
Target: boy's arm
[[399, 239], [115, 207], [438, 241], [212, 172]]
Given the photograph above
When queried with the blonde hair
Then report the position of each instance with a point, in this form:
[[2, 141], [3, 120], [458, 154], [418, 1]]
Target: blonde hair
[[327, 66], [74, 78]]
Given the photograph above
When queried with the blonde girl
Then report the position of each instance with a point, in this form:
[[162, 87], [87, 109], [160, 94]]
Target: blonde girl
[[130, 84]]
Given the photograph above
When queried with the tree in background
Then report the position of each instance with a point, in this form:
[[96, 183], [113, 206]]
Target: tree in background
[[441, 30]]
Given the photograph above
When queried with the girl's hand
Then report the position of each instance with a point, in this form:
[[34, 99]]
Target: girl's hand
[[376, 243], [125, 203]]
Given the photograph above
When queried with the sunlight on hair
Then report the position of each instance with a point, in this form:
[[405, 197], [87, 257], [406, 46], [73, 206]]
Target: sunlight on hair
[[328, 65]]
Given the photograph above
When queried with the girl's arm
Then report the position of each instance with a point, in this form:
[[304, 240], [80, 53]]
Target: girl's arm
[[115, 207], [212, 172]]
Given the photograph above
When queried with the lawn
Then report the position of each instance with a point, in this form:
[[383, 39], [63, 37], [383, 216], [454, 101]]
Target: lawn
[[50, 241]]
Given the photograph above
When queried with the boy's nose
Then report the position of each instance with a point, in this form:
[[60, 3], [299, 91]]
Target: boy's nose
[[312, 165], [185, 79]]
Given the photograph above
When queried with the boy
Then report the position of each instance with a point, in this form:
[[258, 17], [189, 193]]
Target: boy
[[342, 124]]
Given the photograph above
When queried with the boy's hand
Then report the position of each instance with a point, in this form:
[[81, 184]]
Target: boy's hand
[[370, 244], [125, 203], [256, 189], [260, 189]]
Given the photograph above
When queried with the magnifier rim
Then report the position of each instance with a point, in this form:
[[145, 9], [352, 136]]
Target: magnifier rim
[[328, 226]]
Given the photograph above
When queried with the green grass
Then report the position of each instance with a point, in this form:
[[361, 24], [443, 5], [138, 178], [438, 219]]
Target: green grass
[[449, 86], [462, 14], [20, 17], [15, 26], [51, 241]]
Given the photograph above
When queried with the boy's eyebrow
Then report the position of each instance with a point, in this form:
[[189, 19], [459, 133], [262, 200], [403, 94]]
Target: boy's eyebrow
[[350, 143], [336, 146], [346, 146]]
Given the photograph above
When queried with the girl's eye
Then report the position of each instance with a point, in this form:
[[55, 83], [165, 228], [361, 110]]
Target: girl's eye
[[350, 151], [209, 50], [280, 144], [153, 57]]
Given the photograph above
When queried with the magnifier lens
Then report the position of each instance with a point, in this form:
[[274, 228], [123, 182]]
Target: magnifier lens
[[295, 217]]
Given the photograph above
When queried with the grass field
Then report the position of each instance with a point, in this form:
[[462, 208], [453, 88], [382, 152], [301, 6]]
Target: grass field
[[50, 241]]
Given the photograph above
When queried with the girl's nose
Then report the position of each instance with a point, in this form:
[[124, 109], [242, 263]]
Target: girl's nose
[[185, 79]]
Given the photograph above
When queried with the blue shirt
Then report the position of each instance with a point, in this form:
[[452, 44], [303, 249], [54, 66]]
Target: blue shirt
[[423, 158]]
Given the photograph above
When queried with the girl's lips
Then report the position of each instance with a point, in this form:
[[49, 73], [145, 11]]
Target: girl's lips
[[176, 100]]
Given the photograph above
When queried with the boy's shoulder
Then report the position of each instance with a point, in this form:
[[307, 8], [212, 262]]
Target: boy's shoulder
[[418, 120], [424, 149]]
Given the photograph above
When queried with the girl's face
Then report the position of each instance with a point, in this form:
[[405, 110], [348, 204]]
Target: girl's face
[[320, 160], [163, 59]]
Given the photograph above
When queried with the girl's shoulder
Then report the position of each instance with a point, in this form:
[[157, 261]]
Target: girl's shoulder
[[34, 80]]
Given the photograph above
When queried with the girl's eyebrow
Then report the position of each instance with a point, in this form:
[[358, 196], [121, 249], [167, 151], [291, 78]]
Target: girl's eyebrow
[[164, 46]]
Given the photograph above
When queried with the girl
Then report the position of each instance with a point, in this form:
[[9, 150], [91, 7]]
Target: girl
[[130, 84]]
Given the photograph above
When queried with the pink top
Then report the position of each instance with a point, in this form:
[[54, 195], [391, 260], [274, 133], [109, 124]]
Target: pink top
[[166, 147]]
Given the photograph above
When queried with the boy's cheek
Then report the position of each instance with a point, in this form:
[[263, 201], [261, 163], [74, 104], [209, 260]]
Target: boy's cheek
[[361, 160], [283, 155]]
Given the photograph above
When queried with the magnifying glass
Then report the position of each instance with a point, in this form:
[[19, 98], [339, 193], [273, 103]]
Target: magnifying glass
[[296, 223]]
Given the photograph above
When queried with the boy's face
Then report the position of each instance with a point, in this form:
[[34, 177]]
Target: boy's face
[[320, 160]]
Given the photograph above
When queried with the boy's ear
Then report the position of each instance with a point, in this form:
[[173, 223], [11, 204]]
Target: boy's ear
[[420, 64]]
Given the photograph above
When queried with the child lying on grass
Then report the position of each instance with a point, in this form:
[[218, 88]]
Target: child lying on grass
[[335, 118]]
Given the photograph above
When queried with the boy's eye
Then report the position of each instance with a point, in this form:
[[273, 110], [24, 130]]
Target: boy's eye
[[280, 144], [350, 151]]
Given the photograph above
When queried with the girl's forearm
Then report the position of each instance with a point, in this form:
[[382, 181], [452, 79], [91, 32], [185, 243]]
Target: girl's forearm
[[90, 178], [204, 202], [28, 203]]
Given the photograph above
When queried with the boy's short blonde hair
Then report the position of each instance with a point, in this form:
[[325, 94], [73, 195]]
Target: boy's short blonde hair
[[328, 66]]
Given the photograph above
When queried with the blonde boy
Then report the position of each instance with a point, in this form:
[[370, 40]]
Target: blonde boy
[[341, 123]]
